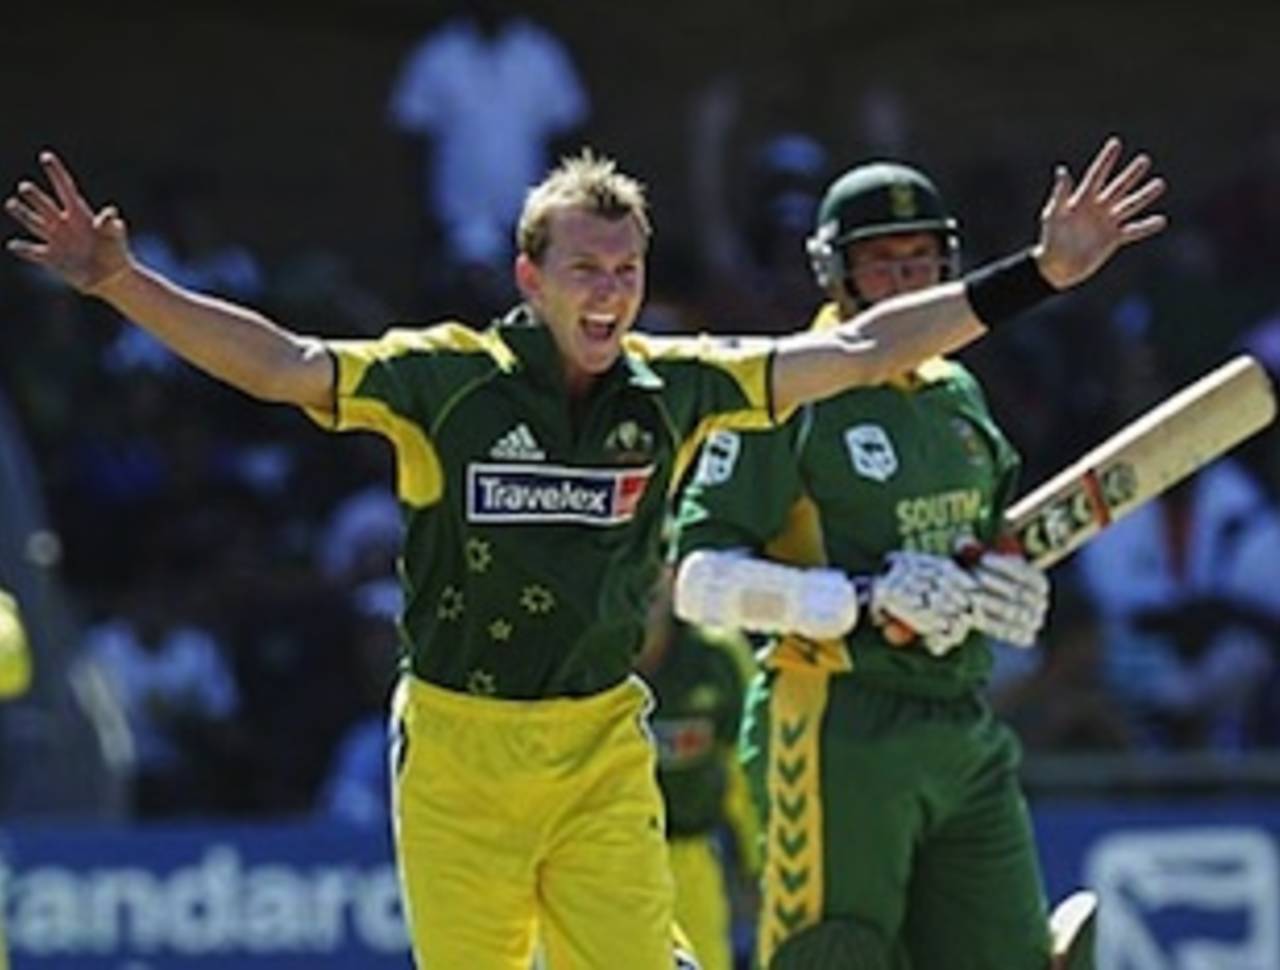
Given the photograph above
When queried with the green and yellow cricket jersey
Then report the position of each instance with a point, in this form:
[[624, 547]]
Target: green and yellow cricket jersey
[[700, 684], [533, 527], [916, 464]]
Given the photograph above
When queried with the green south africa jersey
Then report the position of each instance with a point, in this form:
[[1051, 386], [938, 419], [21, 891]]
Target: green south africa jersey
[[913, 465], [532, 530]]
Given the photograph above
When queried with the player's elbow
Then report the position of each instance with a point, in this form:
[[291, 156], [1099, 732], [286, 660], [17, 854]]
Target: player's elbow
[[301, 376], [868, 363]]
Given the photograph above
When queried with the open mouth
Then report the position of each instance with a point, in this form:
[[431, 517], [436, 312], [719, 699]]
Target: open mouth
[[600, 327]]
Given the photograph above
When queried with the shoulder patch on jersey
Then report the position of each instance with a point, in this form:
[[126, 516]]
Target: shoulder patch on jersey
[[719, 456], [500, 494], [871, 452]]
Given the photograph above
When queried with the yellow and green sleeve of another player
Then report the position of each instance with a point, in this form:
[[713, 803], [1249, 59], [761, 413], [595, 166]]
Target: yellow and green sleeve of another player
[[15, 655]]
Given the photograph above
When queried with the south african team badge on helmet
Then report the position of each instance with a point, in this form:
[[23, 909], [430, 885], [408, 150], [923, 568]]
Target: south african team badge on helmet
[[878, 199]]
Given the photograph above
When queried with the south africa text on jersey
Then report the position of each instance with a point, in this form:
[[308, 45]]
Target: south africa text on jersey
[[499, 493]]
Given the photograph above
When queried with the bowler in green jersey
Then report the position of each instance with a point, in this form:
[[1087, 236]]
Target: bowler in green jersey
[[896, 832], [533, 463]]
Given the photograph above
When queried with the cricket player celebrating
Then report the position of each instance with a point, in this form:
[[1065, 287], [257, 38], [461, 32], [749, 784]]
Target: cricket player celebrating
[[533, 461], [895, 827]]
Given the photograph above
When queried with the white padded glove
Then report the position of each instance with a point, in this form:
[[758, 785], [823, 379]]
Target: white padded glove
[[931, 594], [731, 589], [1012, 598]]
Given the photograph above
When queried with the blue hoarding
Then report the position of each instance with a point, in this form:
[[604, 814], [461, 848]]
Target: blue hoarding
[[1184, 887], [202, 897]]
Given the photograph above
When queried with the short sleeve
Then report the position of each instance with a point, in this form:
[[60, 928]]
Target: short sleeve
[[371, 384], [394, 386], [740, 492]]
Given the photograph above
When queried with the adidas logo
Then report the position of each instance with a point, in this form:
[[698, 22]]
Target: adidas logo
[[518, 444]]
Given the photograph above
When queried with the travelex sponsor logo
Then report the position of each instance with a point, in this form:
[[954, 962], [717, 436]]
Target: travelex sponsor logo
[[216, 904], [499, 493]]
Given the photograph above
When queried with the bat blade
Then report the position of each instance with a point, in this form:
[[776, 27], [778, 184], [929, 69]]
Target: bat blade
[[1151, 454]]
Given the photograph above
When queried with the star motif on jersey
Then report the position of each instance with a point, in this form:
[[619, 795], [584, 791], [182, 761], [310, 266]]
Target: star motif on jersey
[[482, 682], [451, 604], [501, 630], [537, 599], [704, 698], [479, 555]]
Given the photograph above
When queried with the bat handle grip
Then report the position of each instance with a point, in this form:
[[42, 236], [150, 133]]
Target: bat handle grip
[[967, 554]]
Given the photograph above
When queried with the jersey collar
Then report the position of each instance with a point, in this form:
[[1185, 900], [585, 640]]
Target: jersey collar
[[536, 351]]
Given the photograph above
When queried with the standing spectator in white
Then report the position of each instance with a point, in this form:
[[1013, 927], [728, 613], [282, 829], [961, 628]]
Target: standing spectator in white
[[484, 96], [1186, 589]]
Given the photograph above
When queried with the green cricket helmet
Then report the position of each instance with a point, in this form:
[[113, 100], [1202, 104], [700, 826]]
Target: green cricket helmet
[[878, 199]]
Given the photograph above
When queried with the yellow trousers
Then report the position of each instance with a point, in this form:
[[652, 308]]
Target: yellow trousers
[[702, 900], [516, 820]]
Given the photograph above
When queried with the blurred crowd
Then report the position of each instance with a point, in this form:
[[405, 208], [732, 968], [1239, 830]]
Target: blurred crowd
[[229, 571]]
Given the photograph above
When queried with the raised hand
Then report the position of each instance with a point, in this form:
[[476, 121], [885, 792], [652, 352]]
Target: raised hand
[[1082, 226], [84, 247]]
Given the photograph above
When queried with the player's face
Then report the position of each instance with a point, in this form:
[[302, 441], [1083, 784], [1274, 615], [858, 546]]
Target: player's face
[[587, 288], [885, 266]]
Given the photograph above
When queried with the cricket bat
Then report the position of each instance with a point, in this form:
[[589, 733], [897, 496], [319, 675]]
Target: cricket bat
[[1142, 460]]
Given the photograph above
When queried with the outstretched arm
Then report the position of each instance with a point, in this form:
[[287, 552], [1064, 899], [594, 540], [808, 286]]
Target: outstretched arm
[[1081, 228], [89, 250]]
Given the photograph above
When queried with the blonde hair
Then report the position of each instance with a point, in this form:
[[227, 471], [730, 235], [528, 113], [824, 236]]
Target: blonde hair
[[584, 181]]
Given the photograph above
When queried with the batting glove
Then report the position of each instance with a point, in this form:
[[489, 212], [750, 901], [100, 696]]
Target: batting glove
[[931, 594], [1012, 598]]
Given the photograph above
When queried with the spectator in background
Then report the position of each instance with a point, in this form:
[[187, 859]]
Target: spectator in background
[[1056, 698], [483, 98], [188, 245], [1261, 454], [1186, 590], [1185, 587], [357, 788], [63, 747], [178, 696], [757, 275]]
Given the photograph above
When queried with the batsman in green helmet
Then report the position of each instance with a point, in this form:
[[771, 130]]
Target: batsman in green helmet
[[895, 831]]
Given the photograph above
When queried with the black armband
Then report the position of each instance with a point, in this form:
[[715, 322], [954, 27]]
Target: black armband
[[1000, 291]]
